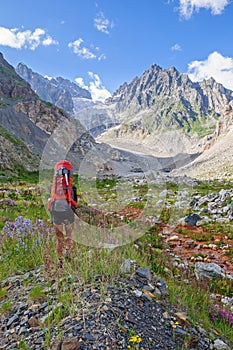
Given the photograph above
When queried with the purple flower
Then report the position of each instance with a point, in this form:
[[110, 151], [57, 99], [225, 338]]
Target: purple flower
[[219, 313], [25, 233]]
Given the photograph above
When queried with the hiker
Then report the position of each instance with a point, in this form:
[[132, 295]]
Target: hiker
[[62, 204]]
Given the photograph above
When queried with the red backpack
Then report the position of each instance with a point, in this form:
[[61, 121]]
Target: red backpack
[[63, 194]]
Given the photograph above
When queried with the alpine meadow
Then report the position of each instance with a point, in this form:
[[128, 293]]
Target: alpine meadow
[[116, 224]]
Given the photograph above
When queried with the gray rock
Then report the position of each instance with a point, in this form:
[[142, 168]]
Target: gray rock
[[144, 272], [12, 320], [137, 293], [164, 193], [208, 270], [126, 266], [89, 337], [149, 288], [220, 345], [192, 219]]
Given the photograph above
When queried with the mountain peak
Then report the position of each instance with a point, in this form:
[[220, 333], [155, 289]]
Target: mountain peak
[[58, 91], [11, 84], [5, 64], [155, 66]]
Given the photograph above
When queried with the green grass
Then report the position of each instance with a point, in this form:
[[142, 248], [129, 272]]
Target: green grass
[[6, 307], [8, 71], [23, 345], [25, 202], [185, 292], [219, 228], [17, 259], [193, 298], [20, 175], [206, 187], [200, 237], [27, 176], [20, 253], [48, 104], [3, 104], [202, 129], [196, 298], [37, 293], [3, 293], [10, 136], [106, 183]]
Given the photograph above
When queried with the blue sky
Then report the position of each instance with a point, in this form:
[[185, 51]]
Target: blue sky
[[102, 44]]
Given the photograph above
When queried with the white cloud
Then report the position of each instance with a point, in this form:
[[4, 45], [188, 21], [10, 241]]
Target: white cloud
[[81, 83], [176, 47], [25, 39], [102, 57], [49, 41], [216, 66], [84, 52], [103, 24], [96, 88], [48, 77], [187, 7], [80, 50]]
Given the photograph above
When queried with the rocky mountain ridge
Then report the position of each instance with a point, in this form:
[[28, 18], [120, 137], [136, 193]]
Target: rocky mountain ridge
[[155, 83], [165, 104], [28, 122], [58, 91], [44, 133], [73, 99], [12, 85], [161, 113]]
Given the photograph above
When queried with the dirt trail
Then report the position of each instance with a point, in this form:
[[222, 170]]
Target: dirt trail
[[192, 249]]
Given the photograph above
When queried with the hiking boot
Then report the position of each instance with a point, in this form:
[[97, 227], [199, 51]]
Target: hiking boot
[[60, 263]]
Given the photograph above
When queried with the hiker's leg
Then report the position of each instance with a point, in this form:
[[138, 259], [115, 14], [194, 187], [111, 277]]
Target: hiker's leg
[[69, 225], [59, 239], [69, 229]]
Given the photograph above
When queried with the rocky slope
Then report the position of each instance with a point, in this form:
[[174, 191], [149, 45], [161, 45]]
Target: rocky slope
[[14, 153], [27, 123], [104, 315], [216, 160]]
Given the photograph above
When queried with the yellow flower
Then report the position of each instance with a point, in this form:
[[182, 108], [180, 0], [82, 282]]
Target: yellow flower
[[174, 324], [135, 339]]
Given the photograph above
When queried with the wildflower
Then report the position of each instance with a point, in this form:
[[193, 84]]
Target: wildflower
[[25, 233], [218, 313], [135, 339], [174, 324]]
